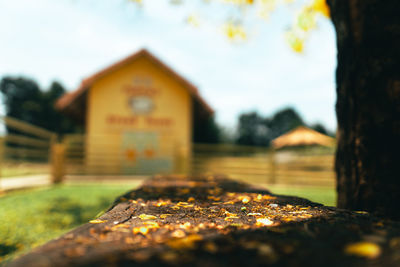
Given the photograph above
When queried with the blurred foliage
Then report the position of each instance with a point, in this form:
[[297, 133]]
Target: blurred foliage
[[235, 22], [321, 129], [252, 130], [255, 130], [25, 100], [283, 121], [206, 130], [31, 218], [234, 31]]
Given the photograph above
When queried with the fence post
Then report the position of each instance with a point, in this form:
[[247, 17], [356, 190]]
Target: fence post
[[57, 163], [182, 158], [272, 176], [1, 160]]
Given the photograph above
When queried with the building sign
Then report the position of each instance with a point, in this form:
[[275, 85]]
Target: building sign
[[140, 95], [114, 119], [151, 122], [135, 90], [141, 105]]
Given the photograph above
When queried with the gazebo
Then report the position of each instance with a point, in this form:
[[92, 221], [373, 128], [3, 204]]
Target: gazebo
[[302, 136]]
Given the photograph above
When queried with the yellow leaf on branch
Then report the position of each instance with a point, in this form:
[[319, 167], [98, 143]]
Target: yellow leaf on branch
[[193, 20], [234, 32], [322, 7], [306, 20], [295, 42]]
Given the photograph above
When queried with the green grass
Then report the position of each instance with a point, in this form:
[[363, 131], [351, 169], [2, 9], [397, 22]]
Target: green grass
[[323, 195], [32, 217]]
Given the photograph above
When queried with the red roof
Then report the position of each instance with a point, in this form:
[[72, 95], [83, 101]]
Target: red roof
[[67, 102]]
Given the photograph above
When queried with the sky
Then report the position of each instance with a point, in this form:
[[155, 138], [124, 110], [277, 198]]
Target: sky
[[68, 40]]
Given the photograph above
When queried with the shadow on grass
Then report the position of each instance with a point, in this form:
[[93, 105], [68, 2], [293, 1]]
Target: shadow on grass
[[7, 249], [69, 213]]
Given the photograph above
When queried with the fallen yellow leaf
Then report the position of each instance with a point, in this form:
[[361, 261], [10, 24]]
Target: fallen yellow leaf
[[214, 198], [161, 203], [185, 225], [363, 249], [143, 230], [245, 200], [178, 233], [115, 227], [187, 242], [230, 218], [151, 224], [147, 217], [97, 221], [211, 247], [264, 222], [254, 214]]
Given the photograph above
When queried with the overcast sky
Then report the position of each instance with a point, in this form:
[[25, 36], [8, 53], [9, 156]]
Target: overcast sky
[[67, 40]]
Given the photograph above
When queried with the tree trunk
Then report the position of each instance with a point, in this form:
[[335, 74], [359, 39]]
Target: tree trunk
[[368, 105]]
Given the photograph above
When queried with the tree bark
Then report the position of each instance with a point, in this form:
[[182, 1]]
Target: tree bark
[[368, 105]]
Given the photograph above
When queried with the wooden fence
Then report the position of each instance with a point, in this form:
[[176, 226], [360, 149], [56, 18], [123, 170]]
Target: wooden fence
[[30, 149], [252, 164], [303, 167], [26, 149]]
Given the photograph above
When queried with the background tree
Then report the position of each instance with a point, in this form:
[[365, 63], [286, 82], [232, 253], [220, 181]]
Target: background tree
[[206, 130], [321, 129], [56, 121], [251, 130], [283, 121], [255, 130], [24, 100]]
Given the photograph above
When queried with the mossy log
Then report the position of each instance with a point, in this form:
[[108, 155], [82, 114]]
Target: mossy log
[[214, 221]]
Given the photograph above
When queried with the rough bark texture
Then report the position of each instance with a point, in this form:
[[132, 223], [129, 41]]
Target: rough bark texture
[[214, 221], [368, 104]]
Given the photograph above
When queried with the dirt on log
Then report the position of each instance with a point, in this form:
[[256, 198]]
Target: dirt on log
[[214, 221]]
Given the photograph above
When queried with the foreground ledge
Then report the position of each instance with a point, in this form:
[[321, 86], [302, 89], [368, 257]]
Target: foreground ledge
[[214, 221]]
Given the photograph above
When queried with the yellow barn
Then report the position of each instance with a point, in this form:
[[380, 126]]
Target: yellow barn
[[138, 116]]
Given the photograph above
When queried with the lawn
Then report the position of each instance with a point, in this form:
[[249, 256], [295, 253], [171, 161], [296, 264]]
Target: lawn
[[323, 195], [30, 218]]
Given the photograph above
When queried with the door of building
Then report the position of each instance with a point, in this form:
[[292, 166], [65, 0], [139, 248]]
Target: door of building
[[141, 154]]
